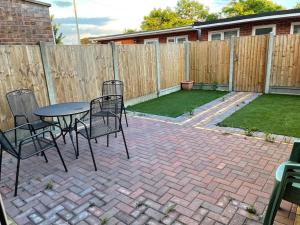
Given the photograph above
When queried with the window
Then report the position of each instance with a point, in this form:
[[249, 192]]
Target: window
[[295, 28], [263, 30], [151, 41], [223, 34], [178, 39]]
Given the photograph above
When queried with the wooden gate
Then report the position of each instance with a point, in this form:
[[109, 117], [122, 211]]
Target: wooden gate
[[250, 63]]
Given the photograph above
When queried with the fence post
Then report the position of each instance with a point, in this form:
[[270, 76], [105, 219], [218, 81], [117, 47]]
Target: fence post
[[231, 64], [115, 60], [269, 63], [186, 60], [47, 72], [157, 58]]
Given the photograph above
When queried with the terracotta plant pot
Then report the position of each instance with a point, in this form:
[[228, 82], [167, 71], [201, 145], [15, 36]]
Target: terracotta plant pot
[[187, 85]]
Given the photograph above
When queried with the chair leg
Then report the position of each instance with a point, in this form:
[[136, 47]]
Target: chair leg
[[274, 204], [77, 146], [125, 116], [17, 177], [61, 158], [45, 157], [1, 155], [92, 153], [64, 138], [125, 143], [107, 140], [96, 141]]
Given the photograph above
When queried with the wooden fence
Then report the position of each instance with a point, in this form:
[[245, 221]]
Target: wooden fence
[[75, 73]]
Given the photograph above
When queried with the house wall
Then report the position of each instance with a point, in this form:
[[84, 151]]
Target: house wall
[[23, 22], [192, 35], [283, 26]]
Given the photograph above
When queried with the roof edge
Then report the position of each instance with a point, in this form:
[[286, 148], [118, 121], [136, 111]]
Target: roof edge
[[142, 33], [38, 2], [253, 17]]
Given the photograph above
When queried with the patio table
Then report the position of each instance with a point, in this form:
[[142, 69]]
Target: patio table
[[66, 111]]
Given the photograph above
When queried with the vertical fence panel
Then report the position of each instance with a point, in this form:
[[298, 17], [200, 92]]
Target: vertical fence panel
[[209, 62], [172, 65], [137, 68], [286, 61], [20, 67], [78, 71], [250, 63]]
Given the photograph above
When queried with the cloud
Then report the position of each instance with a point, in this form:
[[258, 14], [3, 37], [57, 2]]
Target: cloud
[[63, 4], [100, 21]]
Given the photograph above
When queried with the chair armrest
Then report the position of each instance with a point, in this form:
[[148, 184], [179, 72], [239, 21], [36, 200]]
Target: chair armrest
[[32, 137], [77, 121], [18, 127]]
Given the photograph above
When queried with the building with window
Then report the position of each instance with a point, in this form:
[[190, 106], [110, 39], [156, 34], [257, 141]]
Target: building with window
[[277, 22]]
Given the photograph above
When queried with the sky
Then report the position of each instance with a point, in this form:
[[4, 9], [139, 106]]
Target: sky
[[105, 17]]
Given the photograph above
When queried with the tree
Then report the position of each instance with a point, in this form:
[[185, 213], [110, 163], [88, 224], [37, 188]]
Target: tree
[[247, 7], [212, 16], [297, 6], [191, 10], [163, 19], [57, 35], [129, 31], [185, 13]]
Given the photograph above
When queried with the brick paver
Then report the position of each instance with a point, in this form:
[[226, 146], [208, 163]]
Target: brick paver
[[176, 175]]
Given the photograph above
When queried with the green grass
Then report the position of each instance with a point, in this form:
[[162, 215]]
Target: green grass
[[178, 103], [276, 114]]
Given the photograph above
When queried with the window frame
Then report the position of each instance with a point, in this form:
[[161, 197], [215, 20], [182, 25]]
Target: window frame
[[273, 26], [176, 39], [210, 33], [151, 40], [293, 27]]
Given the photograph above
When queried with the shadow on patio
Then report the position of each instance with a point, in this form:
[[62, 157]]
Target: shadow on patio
[[176, 175]]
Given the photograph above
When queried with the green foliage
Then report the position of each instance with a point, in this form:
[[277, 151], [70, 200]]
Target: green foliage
[[103, 221], [191, 10], [251, 209], [247, 7], [297, 6], [212, 16], [185, 13], [163, 19], [276, 114], [57, 35], [177, 103], [129, 31], [50, 185]]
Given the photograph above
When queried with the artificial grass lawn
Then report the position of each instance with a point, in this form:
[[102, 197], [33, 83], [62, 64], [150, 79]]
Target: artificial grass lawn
[[276, 114], [177, 103]]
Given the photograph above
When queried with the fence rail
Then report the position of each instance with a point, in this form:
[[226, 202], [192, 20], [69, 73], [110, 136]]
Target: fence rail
[[75, 73]]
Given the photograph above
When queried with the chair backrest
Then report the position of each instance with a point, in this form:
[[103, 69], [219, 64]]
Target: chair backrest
[[295, 154], [106, 110], [23, 102], [113, 87]]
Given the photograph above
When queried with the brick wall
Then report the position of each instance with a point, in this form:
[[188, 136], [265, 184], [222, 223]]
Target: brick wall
[[192, 35], [283, 26], [23, 22]]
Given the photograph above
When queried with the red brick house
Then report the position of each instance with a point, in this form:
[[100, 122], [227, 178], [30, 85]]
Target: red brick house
[[277, 22], [179, 34], [24, 22]]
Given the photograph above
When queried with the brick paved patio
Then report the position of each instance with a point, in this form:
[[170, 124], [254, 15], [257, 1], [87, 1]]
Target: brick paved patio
[[176, 175]]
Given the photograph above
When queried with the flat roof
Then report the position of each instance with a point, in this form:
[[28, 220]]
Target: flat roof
[[142, 33], [248, 18], [38, 2]]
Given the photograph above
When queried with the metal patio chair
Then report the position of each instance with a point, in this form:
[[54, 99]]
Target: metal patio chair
[[104, 119], [22, 104], [21, 144], [287, 184], [115, 87]]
